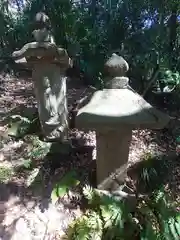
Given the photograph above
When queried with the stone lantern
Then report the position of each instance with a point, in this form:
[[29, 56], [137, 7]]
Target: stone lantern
[[48, 63], [113, 113]]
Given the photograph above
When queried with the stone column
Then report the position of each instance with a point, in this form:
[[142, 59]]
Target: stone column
[[50, 89], [112, 155]]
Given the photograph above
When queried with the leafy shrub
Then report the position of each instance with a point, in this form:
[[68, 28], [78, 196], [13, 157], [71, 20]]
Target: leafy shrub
[[153, 218], [169, 79]]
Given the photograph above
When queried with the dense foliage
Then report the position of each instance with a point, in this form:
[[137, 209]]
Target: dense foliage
[[145, 32], [154, 218], [153, 215]]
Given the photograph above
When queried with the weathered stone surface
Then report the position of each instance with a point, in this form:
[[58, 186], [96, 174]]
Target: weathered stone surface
[[117, 83], [113, 113], [112, 108], [116, 66], [49, 64], [112, 155], [42, 52], [50, 90]]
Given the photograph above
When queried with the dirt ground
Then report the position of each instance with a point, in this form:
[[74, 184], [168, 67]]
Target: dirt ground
[[26, 210]]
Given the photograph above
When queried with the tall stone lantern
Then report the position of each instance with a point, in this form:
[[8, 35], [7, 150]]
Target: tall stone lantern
[[113, 113], [48, 63]]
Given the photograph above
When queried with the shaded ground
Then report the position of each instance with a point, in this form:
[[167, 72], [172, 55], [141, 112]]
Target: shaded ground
[[28, 174]]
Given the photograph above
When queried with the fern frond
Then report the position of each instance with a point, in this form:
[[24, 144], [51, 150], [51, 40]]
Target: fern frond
[[154, 219], [87, 227], [177, 224], [148, 232], [166, 216], [88, 192], [96, 225], [79, 229], [114, 221], [148, 222], [172, 228]]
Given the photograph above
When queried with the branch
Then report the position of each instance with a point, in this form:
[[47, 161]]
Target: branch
[[83, 101], [150, 83]]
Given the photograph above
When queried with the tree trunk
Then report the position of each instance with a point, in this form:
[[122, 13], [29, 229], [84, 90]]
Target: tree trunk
[[172, 36]]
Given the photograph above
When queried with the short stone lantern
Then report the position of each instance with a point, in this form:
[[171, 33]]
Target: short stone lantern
[[48, 63], [113, 113]]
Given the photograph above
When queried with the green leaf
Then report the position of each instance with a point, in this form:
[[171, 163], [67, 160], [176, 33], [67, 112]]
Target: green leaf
[[14, 129], [34, 175], [168, 73], [61, 188], [27, 163], [79, 229], [172, 229], [165, 230], [148, 232], [91, 195], [175, 75], [177, 225], [18, 126], [178, 139]]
